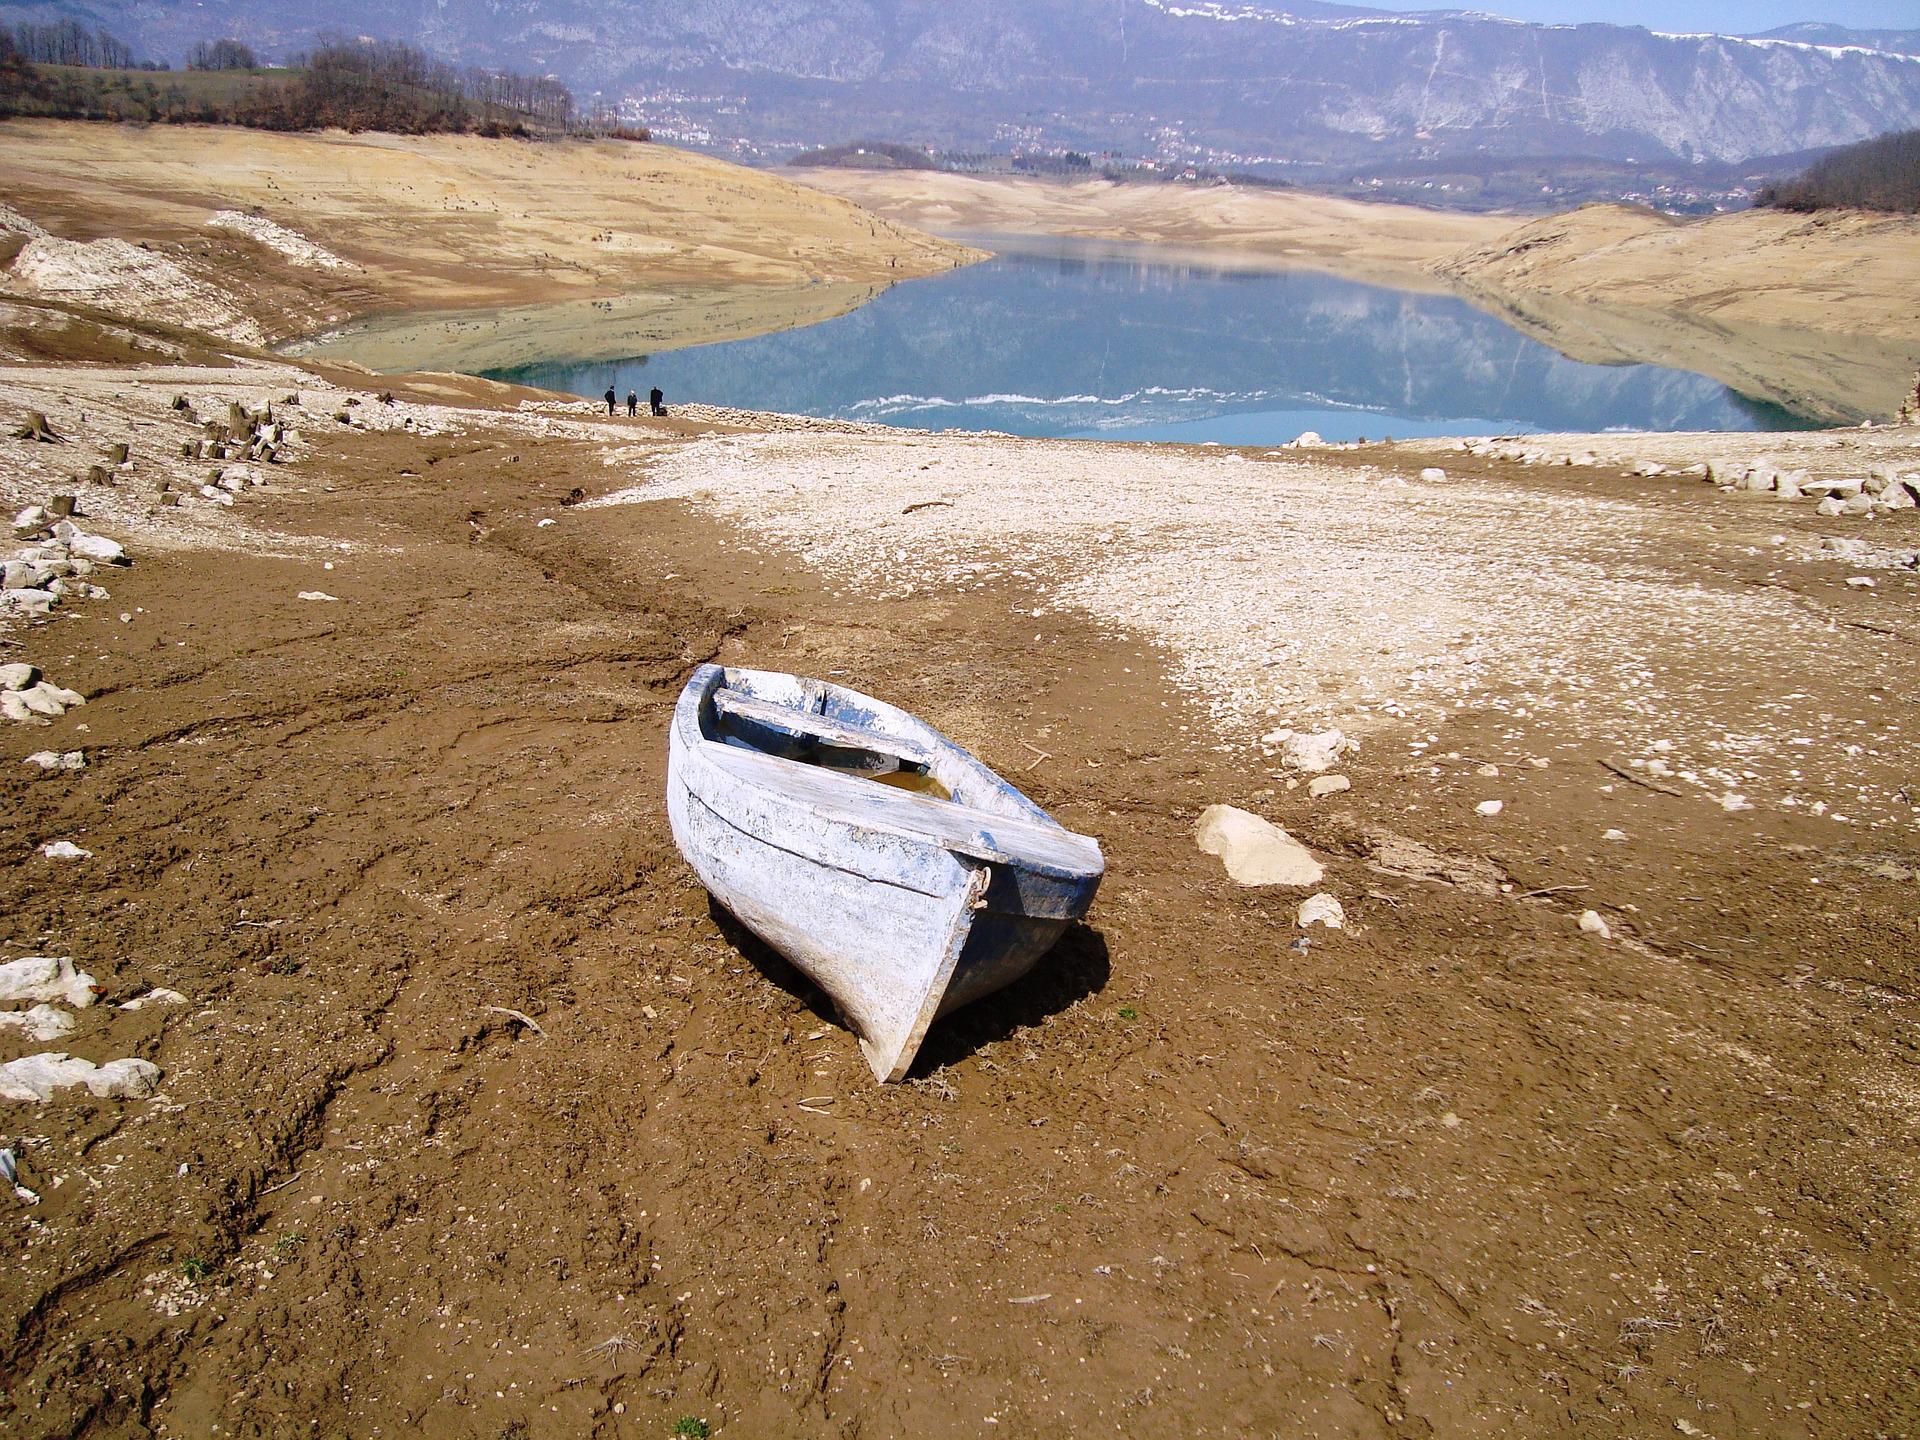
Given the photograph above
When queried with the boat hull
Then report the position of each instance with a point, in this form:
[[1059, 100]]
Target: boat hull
[[898, 928]]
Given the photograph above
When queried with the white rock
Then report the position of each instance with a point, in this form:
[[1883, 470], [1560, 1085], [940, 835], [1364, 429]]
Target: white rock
[[18, 676], [1730, 802], [1860, 582], [1322, 909], [317, 595], [54, 760], [41, 1023], [31, 518], [1857, 505], [43, 699], [1255, 851], [542, 524], [1490, 771], [1322, 785], [154, 997], [64, 850], [1614, 835], [1831, 506], [1433, 474], [1760, 480], [1311, 754], [1788, 488], [1489, 807], [1897, 497], [97, 547], [37, 1077], [14, 706], [1592, 924], [1659, 768], [34, 602], [1300, 441], [47, 977]]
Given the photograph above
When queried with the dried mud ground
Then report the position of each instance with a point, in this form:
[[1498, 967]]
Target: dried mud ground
[[1458, 1169]]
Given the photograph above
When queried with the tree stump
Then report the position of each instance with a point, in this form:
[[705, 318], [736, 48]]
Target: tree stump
[[117, 454], [99, 475], [62, 505], [36, 428], [180, 403]]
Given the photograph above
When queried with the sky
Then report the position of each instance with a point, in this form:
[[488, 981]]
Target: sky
[[1732, 17]]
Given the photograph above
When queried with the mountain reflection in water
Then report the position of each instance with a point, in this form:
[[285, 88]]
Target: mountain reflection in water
[[1117, 347]]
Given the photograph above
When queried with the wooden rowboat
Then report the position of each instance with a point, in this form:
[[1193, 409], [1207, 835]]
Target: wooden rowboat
[[889, 865]]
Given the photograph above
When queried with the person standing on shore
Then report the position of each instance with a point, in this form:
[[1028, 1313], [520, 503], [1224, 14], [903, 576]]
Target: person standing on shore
[[656, 401], [633, 404], [611, 400]]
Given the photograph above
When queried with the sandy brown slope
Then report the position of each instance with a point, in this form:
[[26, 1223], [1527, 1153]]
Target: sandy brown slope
[[455, 223], [1813, 312]]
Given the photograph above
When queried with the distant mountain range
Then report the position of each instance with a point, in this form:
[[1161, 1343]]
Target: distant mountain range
[[1216, 81]]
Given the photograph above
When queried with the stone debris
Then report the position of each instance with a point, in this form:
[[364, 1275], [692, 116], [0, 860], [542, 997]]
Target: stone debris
[[18, 676], [159, 996], [38, 1077], [1324, 785], [42, 1023], [47, 977], [1310, 753], [1255, 851], [1433, 474], [317, 595], [1322, 909], [44, 701], [64, 850], [1614, 835], [1489, 807], [276, 237], [55, 760], [1592, 924]]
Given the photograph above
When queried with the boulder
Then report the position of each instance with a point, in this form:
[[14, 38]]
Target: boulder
[[1322, 909], [41, 1023], [19, 676], [1323, 785], [1433, 474], [1592, 924], [47, 977], [1315, 752], [1857, 505], [1256, 851], [37, 1077], [1831, 506]]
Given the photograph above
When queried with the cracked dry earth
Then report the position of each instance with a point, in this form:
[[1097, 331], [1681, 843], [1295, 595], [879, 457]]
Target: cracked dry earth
[[481, 1122]]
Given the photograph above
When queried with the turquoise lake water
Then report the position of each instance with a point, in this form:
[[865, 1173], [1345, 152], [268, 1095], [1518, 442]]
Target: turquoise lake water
[[1122, 347]]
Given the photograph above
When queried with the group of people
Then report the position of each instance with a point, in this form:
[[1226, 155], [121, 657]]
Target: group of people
[[655, 398]]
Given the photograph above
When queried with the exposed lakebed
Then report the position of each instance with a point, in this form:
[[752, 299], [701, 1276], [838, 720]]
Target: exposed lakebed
[[1072, 341]]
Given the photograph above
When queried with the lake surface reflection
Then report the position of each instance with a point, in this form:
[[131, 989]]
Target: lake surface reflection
[[1126, 347]]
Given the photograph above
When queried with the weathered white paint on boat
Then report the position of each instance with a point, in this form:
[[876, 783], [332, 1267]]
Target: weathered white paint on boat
[[901, 906]]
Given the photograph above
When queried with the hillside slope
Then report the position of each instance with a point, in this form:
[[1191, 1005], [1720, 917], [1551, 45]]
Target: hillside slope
[[428, 223], [1808, 312]]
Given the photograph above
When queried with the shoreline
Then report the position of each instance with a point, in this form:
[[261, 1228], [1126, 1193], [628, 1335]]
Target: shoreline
[[1605, 281]]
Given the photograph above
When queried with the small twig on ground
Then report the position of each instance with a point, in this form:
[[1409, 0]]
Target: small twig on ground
[[812, 1103], [520, 1015], [1030, 1299], [294, 1178], [258, 924], [1626, 774], [1038, 755], [928, 505], [1550, 890]]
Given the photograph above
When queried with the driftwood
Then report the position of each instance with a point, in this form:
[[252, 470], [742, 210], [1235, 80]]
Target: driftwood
[[36, 428]]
